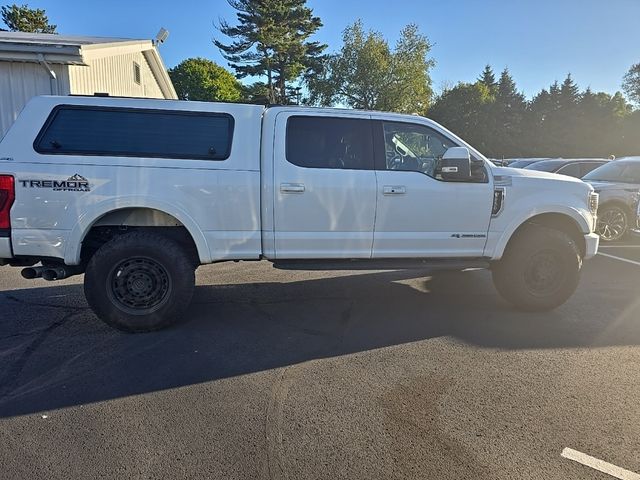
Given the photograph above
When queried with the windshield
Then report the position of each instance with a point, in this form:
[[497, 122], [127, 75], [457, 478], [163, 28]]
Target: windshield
[[545, 166], [521, 163], [626, 172]]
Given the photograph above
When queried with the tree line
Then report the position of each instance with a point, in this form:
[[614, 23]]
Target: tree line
[[272, 40], [270, 48], [560, 121]]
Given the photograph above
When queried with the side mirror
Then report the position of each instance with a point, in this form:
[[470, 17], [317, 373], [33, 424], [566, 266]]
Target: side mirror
[[455, 165]]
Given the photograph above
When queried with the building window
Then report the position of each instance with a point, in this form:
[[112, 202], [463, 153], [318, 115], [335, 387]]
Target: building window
[[137, 75]]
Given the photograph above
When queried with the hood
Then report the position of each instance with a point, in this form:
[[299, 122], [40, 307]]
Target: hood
[[524, 173], [606, 186], [536, 181]]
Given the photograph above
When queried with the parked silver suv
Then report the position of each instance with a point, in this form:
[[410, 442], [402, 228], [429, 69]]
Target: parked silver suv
[[618, 184]]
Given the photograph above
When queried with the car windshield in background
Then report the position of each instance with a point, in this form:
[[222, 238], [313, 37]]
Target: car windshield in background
[[546, 165], [626, 172], [521, 163]]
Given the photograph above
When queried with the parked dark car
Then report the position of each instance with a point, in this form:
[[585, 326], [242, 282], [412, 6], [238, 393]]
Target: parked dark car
[[618, 183], [523, 162], [573, 167]]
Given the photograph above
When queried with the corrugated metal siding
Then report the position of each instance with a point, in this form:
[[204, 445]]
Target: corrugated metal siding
[[114, 75], [19, 82]]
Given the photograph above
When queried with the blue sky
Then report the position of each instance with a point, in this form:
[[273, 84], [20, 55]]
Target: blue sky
[[538, 40]]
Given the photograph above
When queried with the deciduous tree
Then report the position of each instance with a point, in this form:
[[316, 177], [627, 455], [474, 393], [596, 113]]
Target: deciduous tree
[[204, 80], [631, 83], [367, 74], [462, 109]]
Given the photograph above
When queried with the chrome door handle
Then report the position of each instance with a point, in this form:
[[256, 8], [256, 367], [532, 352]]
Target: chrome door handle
[[394, 190], [292, 188]]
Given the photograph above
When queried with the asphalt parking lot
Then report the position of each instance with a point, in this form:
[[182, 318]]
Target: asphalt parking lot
[[301, 375]]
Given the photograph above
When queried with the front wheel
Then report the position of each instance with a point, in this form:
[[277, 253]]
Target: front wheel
[[139, 282], [540, 269], [612, 224]]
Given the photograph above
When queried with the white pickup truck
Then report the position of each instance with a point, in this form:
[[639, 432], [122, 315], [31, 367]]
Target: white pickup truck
[[137, 193]]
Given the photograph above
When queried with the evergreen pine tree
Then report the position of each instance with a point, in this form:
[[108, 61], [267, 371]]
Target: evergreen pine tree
[[569, 93], [271, 39], [554, 96], [24, 19], [507, 95], [509, 109], [487, 78]]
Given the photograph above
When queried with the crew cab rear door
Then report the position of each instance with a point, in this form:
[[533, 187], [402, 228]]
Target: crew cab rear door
[[324, 185], [419, 214]]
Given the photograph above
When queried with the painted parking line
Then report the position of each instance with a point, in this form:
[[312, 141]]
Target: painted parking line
[[625, 260], [600, 465], [619, 246]]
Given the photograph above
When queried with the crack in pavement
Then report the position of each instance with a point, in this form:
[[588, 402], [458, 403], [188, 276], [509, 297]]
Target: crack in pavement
[[274, 414], [273, 425], [24, 334], [37, 304]]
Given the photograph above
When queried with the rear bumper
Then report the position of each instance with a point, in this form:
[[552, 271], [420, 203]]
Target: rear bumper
[[591, 242], [5, 248]]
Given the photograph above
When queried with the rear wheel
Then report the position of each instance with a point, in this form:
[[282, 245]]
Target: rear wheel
[[540, 269], [139, 282], [612, 223]]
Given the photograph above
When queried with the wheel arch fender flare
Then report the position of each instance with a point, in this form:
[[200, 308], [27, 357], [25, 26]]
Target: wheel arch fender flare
[[573, 216], [617, 202], [73, 248]]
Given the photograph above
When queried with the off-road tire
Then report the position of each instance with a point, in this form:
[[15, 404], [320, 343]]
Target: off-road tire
[[540, 269], [140, 282]]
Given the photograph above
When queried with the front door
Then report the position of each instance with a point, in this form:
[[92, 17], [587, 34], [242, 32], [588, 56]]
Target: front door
[[324, 187], [419, 214]]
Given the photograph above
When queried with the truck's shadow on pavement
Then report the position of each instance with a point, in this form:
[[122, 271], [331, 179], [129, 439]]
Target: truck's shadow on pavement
[[54, 353]]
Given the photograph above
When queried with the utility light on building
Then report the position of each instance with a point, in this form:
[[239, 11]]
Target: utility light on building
[[162, 35]]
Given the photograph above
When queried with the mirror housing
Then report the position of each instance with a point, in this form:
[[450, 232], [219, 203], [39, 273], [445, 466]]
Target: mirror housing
[[455, 165]]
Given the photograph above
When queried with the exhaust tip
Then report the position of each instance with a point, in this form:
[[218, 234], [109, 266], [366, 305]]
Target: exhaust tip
[[50, 275], [30, 273]]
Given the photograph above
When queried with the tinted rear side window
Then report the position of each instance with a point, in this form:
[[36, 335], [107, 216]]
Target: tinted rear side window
[[73, 130], [325, 142]]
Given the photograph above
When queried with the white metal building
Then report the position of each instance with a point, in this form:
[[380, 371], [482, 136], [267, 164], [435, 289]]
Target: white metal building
[[46, 64]]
